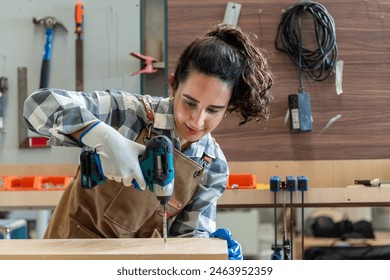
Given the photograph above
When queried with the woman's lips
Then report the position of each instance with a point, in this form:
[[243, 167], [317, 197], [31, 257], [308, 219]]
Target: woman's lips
[[193, 131]]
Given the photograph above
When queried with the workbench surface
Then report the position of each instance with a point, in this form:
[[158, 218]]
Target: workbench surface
[[114, 249]]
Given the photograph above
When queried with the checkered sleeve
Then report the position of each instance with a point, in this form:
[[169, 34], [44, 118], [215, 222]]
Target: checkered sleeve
[[57, 113], [198, 219]]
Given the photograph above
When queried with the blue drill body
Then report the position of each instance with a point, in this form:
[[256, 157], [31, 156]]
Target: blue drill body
[[157, 167]]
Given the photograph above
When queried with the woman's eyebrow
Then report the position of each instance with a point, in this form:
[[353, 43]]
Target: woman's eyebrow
[[190, 97], [196, 101]]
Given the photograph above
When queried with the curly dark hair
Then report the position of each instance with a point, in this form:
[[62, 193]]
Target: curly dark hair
[[229, 54]]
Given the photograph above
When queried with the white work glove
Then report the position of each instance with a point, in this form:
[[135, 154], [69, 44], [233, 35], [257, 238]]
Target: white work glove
[[118, 155]]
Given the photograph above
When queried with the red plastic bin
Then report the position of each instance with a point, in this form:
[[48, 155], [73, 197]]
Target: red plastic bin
[[241, 181], [17, 183], [34, 183], [54, 182]]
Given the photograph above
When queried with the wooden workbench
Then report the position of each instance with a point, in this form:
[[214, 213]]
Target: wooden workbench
[[326, 174], [352, 196], [114, 249]]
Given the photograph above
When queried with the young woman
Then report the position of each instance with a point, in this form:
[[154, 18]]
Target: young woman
[[222, 72]]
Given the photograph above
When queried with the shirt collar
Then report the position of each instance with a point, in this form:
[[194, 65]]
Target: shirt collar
[[205, 145]]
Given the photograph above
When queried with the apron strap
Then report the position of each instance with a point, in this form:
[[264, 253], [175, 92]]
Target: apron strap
[[150, 115]]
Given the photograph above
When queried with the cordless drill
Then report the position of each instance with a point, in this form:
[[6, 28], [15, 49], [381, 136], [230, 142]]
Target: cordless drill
[[156, 165], [158, 170]]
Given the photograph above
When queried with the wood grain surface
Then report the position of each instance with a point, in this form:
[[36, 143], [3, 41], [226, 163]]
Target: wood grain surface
[[363, 39], [114, 249]]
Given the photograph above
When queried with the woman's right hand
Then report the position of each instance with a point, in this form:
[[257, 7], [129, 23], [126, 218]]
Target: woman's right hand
[[119, 156]]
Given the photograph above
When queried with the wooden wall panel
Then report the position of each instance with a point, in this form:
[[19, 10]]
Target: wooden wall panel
[[363, 38]]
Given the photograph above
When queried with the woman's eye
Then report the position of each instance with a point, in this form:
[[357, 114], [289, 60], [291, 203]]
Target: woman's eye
[[190, 103], [212, 111]]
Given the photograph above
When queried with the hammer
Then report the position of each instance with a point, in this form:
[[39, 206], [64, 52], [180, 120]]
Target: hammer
[[50, 23]]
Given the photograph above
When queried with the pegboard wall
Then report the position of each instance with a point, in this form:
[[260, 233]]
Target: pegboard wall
[[111, 32]]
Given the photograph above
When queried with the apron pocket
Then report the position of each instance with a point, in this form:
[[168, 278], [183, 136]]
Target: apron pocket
[[130, 208], [82, 232]]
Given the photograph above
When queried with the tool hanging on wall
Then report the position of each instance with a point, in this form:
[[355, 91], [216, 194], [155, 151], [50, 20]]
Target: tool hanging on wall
[[26, 137], [319, 63], [79, 20], [49, 23], [22, 95], [148, 64], [3, 90], [232, 13]]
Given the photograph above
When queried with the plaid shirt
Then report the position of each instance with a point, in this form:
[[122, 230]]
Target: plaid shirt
[[57, 113]]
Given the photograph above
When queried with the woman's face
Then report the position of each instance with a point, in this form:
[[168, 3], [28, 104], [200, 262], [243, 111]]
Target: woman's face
[[199, 106]]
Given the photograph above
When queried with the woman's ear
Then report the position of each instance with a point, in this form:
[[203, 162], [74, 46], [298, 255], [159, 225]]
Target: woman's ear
[[171, 79], [171, 84]]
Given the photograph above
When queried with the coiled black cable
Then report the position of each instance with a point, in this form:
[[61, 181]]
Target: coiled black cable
[[319, 63]]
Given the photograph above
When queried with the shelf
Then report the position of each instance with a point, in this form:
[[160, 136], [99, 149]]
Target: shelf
[[352, 196], [29, 199]]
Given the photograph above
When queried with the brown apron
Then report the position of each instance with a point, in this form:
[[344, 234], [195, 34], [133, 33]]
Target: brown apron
[[113, 210]]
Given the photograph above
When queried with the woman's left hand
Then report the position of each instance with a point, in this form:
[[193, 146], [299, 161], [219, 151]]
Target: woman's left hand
[[234, 248]]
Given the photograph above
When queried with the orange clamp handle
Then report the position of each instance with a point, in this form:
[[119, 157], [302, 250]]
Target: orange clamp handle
[[79, 16]]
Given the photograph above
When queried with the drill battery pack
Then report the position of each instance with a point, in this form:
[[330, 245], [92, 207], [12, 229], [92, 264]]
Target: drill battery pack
[[91, 176]]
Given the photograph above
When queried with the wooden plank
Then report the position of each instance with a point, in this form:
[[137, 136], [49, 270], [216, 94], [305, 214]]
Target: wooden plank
[[114, 249]]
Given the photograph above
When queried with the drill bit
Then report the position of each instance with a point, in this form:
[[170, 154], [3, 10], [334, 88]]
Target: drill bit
[[165, 224]]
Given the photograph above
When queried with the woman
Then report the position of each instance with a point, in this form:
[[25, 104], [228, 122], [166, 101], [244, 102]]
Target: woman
[[219, 73]]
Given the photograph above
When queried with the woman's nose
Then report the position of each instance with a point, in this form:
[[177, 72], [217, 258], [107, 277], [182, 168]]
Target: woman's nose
[[198, 118]]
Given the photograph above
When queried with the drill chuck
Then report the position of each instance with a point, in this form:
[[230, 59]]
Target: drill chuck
[[163, 193]]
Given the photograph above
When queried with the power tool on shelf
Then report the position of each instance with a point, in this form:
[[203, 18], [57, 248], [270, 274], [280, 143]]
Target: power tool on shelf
[[156, 165]]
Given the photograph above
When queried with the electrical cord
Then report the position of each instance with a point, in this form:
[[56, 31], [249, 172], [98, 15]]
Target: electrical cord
[[319, 63]]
